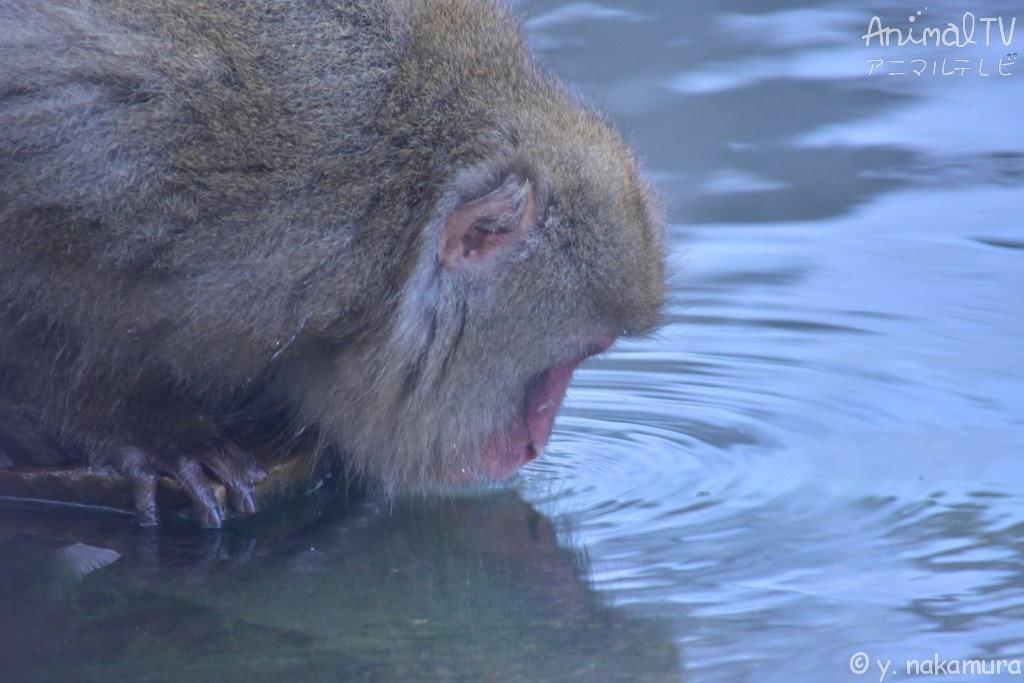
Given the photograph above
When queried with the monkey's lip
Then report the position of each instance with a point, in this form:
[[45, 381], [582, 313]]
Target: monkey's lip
[[509, 449]]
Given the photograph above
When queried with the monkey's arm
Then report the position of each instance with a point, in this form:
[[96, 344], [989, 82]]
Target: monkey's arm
[[143, 430], [98, 339]]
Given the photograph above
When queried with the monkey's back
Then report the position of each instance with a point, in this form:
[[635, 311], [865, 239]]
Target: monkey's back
[[153, 156]]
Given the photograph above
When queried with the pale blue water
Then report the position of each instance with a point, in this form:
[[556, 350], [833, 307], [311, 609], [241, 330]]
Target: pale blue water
[[822, 453]]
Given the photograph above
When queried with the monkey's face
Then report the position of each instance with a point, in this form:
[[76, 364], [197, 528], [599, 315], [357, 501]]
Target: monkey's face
[[516, 281], [578, 269], [513, 445], [528, 243]]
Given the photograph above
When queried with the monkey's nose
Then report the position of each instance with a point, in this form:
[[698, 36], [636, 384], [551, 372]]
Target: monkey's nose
[[532, 451]]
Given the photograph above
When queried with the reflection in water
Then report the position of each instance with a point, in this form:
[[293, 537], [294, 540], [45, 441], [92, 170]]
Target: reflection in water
[[427, 590]]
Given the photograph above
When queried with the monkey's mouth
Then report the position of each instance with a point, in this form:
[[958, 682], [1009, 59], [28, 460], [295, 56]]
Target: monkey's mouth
[[509, 449]]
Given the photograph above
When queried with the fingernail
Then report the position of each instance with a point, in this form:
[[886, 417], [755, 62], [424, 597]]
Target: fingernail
[[213, 519], [147, 517]]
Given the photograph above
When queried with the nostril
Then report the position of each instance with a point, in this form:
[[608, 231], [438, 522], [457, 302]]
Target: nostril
[[531, 451]]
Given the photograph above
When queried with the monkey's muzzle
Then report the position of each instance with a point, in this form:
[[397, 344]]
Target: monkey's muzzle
[[509, 449]]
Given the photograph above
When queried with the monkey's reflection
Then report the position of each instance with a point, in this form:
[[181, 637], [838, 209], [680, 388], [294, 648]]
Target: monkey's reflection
[[475, 588]]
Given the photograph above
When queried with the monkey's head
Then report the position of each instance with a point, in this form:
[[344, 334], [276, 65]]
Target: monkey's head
[[528, 242]]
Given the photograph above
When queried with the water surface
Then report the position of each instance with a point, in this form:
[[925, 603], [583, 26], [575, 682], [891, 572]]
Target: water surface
[[821, 454]]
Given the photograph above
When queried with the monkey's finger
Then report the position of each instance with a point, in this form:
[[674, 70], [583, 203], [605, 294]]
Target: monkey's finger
[[142, 478], [197, 485], [144, 486], [237, 471]]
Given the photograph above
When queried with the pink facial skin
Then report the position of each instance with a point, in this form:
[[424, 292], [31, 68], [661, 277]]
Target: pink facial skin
[[509, 449]]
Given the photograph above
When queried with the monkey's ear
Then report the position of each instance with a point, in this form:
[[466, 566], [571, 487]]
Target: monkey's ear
[[478, 229]]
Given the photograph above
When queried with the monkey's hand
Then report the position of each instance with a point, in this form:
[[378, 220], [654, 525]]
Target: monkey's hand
[[192, 468]]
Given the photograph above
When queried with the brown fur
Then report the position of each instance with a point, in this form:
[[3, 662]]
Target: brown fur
[[211, 210]]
